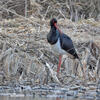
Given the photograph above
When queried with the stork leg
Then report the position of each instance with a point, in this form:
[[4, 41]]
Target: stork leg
[[59, 65]]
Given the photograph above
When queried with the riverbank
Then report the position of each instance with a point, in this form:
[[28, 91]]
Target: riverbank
[[28, 64]]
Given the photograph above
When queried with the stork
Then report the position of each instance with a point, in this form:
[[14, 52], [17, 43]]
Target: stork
[[61, 43]]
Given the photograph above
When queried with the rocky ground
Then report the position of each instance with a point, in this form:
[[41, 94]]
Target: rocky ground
[[28, 64]]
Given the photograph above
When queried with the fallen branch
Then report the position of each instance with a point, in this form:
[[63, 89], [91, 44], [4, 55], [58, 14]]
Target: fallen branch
[[52, 73]]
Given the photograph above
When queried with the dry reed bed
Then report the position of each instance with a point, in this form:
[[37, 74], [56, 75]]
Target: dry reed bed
[[26, 57]]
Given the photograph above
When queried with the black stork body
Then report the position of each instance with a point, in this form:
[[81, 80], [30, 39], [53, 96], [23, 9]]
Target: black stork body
[[60, 42]]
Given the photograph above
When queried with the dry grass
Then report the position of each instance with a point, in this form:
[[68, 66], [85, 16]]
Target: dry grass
[[25, 53]]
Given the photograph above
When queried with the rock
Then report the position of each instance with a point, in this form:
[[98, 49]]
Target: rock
[[72, 93], [75, 88]]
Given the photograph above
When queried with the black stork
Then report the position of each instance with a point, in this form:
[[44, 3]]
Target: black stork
[[61, 43]]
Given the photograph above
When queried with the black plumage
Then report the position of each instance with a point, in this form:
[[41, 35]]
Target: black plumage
[[66, 43], [53, 35]]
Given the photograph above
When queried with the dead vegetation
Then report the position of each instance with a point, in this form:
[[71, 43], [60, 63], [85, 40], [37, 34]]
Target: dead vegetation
[[26, 58], [25, 54]]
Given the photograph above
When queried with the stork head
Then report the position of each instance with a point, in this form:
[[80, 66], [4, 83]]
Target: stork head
[[53, 21]]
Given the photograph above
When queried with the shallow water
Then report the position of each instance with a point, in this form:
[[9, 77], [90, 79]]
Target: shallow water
[[43, 98], [38, 98], [47, 93]]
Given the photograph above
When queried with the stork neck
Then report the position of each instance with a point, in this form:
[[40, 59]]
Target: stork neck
[[53, 27], [57, 27]]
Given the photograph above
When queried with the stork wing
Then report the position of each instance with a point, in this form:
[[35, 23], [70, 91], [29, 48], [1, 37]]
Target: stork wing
[[67, 45]]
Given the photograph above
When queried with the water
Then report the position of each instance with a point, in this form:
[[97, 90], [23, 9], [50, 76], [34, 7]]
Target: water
[[21, 97], [39, 98], [47, 93]]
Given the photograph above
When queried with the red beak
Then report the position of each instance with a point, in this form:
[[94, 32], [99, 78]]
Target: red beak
[[57, 27]]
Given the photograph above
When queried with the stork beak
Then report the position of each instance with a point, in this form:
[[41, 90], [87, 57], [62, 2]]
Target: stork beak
[[55, 25]]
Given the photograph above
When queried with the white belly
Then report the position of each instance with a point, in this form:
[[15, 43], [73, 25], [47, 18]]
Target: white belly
[[57, 48]]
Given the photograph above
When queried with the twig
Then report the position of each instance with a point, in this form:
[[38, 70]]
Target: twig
[[21, 16], [46, 13], [98, 67], [53, 74], [26, 8], [61, 13], [5, 4]]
